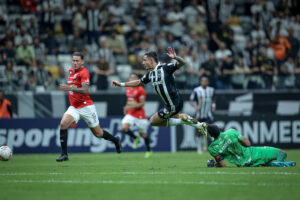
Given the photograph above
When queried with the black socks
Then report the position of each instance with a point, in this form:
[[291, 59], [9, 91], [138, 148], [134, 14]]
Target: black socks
[[131, 134], [147, 143], [64, 141], [108, 136]]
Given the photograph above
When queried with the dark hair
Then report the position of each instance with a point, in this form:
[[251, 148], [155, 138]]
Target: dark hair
[[78, 54], [152, 54], [213, 130]]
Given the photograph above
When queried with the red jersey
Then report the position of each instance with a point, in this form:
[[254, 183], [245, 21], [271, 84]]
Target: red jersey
[[133, 97], [76, 79]]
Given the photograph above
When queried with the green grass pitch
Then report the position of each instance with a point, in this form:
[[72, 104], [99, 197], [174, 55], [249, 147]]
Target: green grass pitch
[[105, 176]]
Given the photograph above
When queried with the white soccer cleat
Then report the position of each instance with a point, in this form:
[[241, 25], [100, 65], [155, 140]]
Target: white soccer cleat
[[203, 129]]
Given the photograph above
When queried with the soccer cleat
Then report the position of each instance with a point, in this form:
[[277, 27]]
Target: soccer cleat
[[290, 164], [188, 120], [135, 142], [118, 145], [148, 154], [63, 157]]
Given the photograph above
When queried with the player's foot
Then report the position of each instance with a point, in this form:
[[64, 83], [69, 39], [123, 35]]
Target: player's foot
[[63, 157], [203, 129], [148, 154], [135, 142], [188, 120], [118, 145], [199, 152], [290, 164]]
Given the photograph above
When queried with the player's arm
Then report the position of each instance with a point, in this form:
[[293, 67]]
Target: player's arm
[[172, 54], [134, 83], [221, 164], [82, 90], [245, 142]]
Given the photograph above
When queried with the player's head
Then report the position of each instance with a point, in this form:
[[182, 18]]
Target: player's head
[[213, 130], [150, 60], [204, 81], [133, 77], [77, 60]]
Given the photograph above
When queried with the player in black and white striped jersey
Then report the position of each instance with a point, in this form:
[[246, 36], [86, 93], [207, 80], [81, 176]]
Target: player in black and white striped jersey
[[162, 78], [203, 100]]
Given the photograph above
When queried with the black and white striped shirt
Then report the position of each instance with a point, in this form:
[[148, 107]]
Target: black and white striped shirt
[[203, 98], [163, 82]]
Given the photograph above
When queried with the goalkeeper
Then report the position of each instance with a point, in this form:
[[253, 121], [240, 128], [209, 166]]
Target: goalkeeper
[[235, 148]]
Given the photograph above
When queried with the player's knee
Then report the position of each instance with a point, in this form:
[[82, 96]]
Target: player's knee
[[63, 125], [99, 133], [125, 129]]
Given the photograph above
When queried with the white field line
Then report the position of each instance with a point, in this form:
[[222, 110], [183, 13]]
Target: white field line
[[121, 182], [151, 173]]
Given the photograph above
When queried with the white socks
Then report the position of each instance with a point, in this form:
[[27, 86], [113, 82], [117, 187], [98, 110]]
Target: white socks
[[174, 122]]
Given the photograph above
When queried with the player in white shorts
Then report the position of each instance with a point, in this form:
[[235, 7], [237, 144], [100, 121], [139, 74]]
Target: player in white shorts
[[82, 106], [135, 115]]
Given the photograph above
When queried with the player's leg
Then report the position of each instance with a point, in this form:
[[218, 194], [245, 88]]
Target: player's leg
[[100, 133], [127, 122], [143, 125], [90, 116], [70, 116], [198, 142]]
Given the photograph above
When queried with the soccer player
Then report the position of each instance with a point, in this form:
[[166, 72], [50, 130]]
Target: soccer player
[[82, 107], [203, 101], [235, 148], [135, 115], [162, 79]]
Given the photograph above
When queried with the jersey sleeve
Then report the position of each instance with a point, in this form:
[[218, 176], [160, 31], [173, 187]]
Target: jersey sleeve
[[237, 134], [170, 68], [85, 77], [193, 96], [215, 154], [146, 78], [142, 93]]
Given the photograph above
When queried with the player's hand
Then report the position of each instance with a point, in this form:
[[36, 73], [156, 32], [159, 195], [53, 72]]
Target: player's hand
[[125, 110], [171, 52], [116, 83], [64, 87], [211, 163]]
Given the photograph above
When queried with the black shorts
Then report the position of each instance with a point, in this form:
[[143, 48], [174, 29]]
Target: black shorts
[[168, 111]]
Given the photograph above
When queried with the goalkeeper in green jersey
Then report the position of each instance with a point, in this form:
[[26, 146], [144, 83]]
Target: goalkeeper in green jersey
[[235, 148]]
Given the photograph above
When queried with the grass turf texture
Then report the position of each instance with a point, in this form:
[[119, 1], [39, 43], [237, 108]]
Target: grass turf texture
[[182, 175]]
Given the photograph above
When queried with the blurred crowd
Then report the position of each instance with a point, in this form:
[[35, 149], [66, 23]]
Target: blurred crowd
[[237, 44]]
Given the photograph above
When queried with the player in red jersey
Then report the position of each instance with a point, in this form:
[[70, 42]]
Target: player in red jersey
[[82, 107], [135, 114]]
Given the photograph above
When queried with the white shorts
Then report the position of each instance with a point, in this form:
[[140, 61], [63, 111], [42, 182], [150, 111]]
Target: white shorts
[[88, 114], [142, 124]]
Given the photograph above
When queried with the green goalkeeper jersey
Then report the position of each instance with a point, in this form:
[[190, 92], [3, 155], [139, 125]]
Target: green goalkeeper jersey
[[227, 146]]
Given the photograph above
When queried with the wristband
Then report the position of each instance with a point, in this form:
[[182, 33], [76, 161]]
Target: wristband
[[122, 84]]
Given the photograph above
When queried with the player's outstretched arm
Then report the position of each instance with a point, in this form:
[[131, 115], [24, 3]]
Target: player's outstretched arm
[[172, 54], [134, 83], [245, 142]]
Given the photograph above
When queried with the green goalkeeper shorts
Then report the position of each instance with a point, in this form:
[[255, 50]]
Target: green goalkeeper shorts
[[263, 155]]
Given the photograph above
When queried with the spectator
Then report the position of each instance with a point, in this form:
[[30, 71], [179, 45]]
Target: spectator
[[297, 72], [43, 76], [226, 9], [10, 76], [180, 74], [79, 19], [33, 28], [39, 49], [26, 55], [134, 42], [67, 16], [210, 69], [199, 26], [224, 34], [76, 42], [21, 36], [281, 47], [106, 52], [192, 11], [30, 83], [295, 44], [193, 67], [239, 74], [140, 15], [103, 71], [48, 16], [255, 80], [5, 106], [117, 11], [20, 82], [93, 22], [8, 53], [213, 26], [225, 72], [257, 32], [286, 79], [268, 69], [222, 53], [204, 53], [137, 67], [117, 47], [51, 43], [176, 18]]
